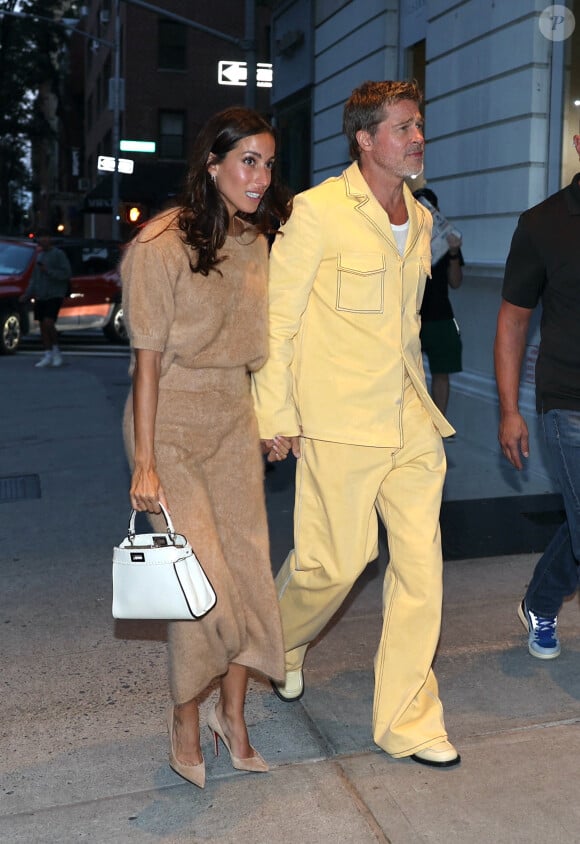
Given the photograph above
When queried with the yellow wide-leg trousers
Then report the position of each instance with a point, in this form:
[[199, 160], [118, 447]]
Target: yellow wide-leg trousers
[[339, 489]]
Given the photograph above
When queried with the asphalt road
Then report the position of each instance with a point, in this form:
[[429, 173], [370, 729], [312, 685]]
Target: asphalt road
[[93, 353]]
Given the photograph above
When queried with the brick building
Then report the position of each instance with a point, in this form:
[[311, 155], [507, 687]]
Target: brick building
[[173, 77]]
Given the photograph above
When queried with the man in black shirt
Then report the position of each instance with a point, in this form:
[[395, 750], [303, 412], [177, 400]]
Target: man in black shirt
[[544, 264]]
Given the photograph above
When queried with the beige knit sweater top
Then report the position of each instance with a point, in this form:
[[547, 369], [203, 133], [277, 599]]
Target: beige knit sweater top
[[215, 323]]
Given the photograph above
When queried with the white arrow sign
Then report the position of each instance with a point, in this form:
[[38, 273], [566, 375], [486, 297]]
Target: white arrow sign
[[106, 163], [264, 75], [232, 73], [236, 73]]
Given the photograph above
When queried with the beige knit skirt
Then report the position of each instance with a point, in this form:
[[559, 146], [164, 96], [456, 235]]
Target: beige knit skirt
[[209, 462]]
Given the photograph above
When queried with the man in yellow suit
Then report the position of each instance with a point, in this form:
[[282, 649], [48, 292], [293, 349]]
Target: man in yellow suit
[[345, 383]]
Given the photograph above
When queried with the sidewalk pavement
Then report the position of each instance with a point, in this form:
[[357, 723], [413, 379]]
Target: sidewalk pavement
[[83, 749]]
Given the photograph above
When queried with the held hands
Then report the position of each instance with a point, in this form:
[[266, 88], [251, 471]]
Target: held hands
[[279, 448], [146, 491], [513, 438]]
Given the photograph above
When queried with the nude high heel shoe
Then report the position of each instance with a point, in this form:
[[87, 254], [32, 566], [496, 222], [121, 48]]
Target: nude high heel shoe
[[254, 763], [192, 773]]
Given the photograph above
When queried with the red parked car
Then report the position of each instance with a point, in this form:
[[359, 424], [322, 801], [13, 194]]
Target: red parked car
[[95, 299]]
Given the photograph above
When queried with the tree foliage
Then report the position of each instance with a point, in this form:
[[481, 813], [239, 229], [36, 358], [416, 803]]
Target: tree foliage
[[28, 46]]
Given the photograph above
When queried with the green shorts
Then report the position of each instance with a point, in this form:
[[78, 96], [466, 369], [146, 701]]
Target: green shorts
[[441, 342]]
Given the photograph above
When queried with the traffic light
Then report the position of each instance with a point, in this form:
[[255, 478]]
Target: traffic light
[[132, 213]]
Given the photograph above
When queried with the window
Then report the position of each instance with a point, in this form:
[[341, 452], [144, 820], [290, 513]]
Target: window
[[415, 62], [415, 57], [293, 122], [171, 134], [171, 41]]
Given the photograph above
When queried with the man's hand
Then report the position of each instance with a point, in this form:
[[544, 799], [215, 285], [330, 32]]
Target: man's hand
[[513, 438], [454, 243], [509, 346]]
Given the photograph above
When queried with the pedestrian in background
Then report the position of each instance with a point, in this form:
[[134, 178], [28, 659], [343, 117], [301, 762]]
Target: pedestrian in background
[[544, 265], [345, 381], [49, 285], [195, 300], [440, 338]]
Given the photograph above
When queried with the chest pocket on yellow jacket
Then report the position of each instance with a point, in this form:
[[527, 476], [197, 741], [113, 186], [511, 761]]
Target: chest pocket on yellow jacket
[[360, 282]]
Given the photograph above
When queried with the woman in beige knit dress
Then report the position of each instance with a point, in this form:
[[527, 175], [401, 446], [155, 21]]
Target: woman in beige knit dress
[[195, 301]]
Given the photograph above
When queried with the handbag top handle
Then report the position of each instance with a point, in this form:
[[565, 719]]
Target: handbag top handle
[[170, 528]]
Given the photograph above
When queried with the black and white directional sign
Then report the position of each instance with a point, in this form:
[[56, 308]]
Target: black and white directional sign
[[232, 73], [236, 73], [106, 163]]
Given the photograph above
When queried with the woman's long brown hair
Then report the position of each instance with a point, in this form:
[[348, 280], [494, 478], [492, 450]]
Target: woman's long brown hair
[[203, 216]]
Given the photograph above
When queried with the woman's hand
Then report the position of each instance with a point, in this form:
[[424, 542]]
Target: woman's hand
[[279, 448], [146, 491], [276, 449]]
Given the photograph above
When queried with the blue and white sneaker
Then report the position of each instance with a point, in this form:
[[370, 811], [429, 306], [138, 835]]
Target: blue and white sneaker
[[543, 641]]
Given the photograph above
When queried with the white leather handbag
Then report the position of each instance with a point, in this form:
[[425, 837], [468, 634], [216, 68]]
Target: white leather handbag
[[158, 576]]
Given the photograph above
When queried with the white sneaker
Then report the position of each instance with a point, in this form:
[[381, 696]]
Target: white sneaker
[[56, 358], [45, 360]]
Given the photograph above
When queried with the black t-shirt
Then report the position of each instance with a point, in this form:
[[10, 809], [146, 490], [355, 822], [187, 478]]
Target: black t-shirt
[[544, 264], [436, 305]]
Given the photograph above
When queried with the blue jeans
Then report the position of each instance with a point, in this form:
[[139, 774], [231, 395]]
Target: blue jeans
[[557, 571]]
